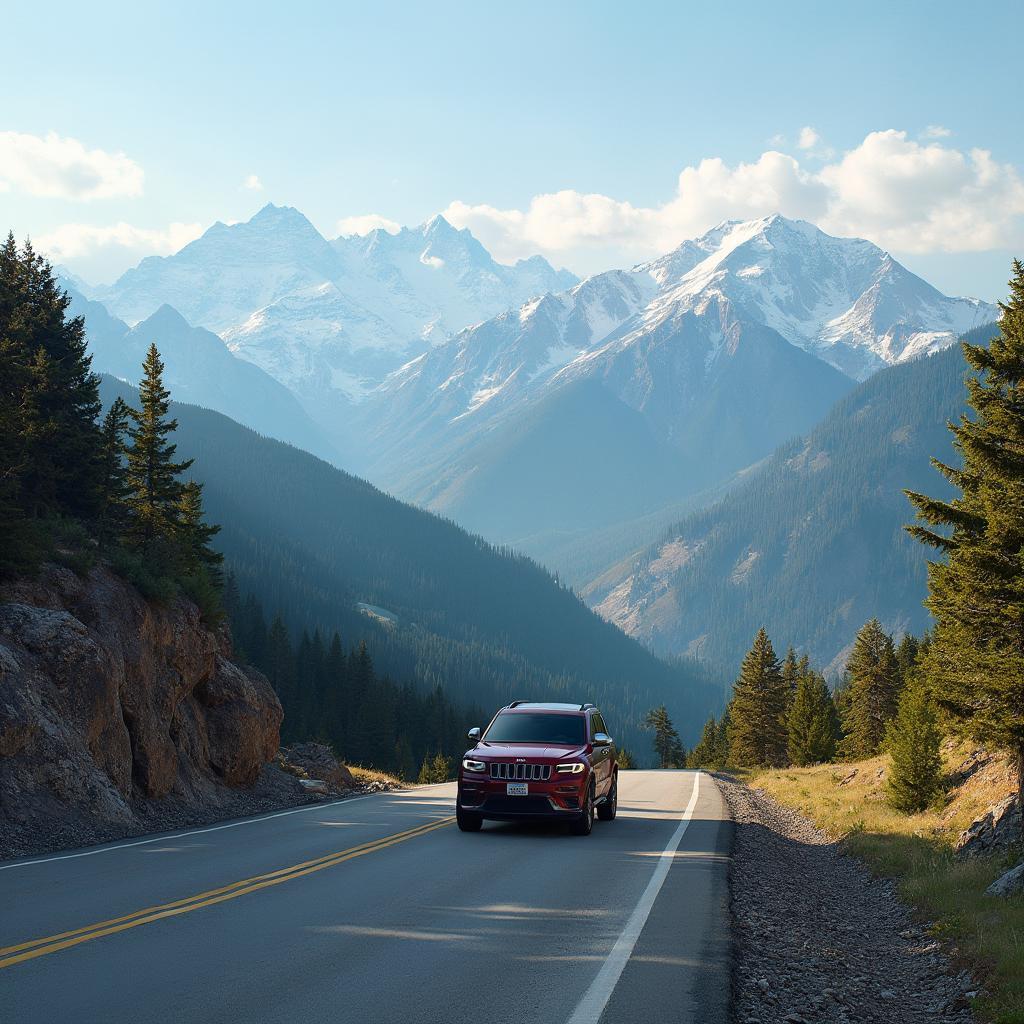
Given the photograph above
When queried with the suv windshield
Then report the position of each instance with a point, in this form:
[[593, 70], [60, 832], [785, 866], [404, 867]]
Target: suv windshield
[[523, 727]]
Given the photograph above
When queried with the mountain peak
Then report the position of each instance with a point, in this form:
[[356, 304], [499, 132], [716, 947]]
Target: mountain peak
[[439, 227], [165, 318]]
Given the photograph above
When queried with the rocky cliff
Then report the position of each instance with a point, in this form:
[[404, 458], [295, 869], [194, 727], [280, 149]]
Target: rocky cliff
[[118, 715]]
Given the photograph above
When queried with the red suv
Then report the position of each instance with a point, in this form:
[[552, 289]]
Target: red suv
[[540, 761]]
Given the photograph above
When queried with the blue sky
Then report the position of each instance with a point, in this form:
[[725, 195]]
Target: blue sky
[[555, 128]]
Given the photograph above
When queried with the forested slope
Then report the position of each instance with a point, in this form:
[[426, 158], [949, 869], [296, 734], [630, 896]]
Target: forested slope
[[813, 544], [489, 625]]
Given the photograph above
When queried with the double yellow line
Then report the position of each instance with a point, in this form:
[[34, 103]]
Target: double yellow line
[[11, 955]]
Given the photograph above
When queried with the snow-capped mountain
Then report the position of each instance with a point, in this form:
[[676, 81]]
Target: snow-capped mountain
[[715, 352], [198, 369], [329, 318], [842, 299]]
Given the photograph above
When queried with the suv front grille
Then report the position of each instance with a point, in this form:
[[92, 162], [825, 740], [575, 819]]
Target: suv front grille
[[520, 772]]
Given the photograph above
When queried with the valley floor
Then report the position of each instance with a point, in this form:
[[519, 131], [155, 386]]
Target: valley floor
[[825, 872]]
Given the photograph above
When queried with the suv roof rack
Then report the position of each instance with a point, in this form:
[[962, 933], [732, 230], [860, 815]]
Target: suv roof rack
[[516, 703], [584, 707]]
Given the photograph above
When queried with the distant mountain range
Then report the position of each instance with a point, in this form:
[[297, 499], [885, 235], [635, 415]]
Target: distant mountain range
[[634, 390], [199, 369], [812, 544], [329, 319], [574, 420]]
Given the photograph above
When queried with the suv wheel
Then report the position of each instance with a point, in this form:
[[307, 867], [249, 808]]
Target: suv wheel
[[467, 821], [606, 811], [582, 825]]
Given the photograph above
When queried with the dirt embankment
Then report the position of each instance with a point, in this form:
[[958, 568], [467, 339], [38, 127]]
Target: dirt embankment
[[120, 716]]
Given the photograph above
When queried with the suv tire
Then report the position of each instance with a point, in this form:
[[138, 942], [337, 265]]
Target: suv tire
[[607, 810], [583, 825], [467, 821]]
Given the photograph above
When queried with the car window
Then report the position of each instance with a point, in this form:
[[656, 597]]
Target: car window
[[599, 725], [523, 727]]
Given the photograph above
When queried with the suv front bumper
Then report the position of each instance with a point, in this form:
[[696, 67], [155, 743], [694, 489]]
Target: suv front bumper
[[557, 798]]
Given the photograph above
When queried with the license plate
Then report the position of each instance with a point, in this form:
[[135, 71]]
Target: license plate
[[517, 789]]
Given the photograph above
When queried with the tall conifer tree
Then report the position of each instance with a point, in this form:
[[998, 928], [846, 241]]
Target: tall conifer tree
[[757, 727], [873, 690], [811, 725], [115, 492], [975, 660], [152, 471], [667, 744], [194, 533], [914, 740]]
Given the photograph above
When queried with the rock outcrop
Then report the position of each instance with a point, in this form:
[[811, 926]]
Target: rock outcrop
[[997, 829], [110, 703]]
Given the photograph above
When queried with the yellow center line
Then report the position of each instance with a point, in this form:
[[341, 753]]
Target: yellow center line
[[10, 955]]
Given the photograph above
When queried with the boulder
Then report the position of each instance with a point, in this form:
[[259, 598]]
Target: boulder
[[998, 828], [1009, 884], [317, 761]]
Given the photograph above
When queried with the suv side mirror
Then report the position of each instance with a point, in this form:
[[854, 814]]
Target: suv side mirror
[[602, 739], [474, 733]]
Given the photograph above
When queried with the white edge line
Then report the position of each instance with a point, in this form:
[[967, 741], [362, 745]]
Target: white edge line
[[591, 1006], [167, 837]]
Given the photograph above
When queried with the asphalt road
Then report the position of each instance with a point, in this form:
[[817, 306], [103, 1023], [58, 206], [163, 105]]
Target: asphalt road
[[379, 909]]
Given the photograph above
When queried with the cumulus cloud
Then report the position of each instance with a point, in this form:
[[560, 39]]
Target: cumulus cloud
[[53, 167], [366, 223], [253, 183], [809, 138], [74, 241], [902, 194], [936, 131]]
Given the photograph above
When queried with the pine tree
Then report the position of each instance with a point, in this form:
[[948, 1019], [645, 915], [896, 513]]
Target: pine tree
[[666, 740], [790, 675], [194, 533], [60, 402], [906, 655], [705, 753], [812, 722], [975, 660], [722, 740], [757, 728], [874, 690], [152, 471], [114, 510], [914, 740]]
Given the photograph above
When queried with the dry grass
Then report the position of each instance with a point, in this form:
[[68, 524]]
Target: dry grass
[[987, 934], [364, 776]]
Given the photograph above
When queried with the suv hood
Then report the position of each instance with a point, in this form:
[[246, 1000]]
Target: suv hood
[[530, 751]]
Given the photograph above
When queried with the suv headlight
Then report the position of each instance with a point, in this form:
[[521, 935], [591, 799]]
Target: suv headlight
[[570, 769], [474, 766]]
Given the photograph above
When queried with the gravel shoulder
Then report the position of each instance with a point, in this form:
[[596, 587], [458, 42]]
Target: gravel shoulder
[[818, 939]]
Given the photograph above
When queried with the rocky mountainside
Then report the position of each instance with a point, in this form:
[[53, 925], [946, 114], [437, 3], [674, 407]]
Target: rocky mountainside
[[329, 319], [811, 545], [634, 390], [114, 710]]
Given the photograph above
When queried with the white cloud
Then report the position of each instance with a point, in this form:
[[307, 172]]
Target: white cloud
[[253, 183], [936, 131], [53, 167], [366, 223], [901, 194], [809, 138], [75, 241]]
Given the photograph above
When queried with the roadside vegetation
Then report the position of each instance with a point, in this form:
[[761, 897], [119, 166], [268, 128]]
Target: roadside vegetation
[[985, 933], [874, 762]]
